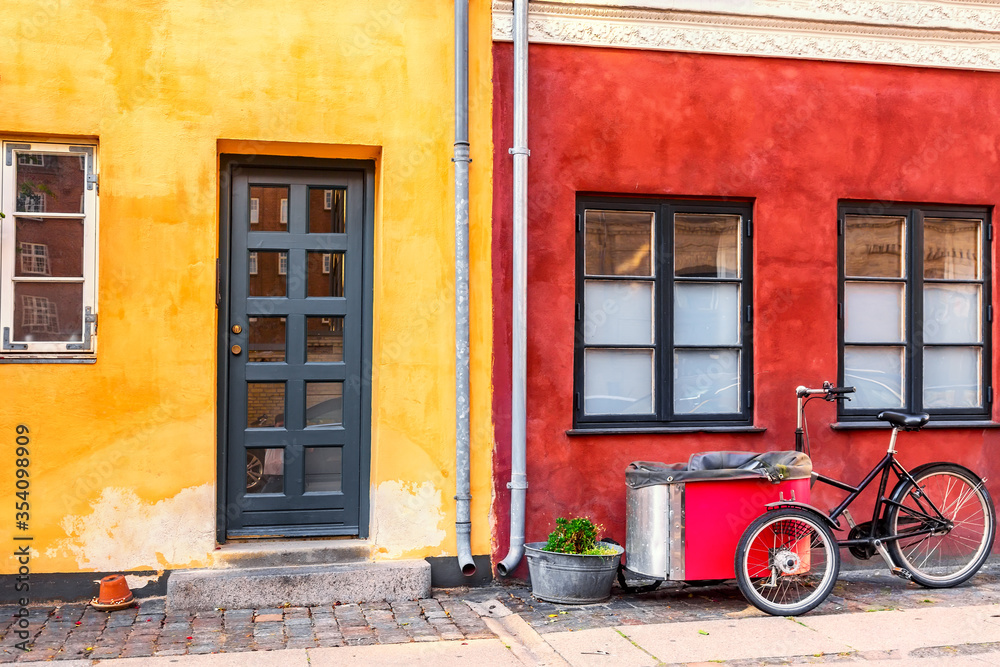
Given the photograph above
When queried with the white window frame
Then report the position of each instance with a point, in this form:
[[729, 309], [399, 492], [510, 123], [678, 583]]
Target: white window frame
[[282, 263], [327, 200], [327, 262], [254, 210], [253, 264], [12, 156], [284, 211]]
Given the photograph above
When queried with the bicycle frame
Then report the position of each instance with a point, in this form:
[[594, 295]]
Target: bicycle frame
[[929, 515]]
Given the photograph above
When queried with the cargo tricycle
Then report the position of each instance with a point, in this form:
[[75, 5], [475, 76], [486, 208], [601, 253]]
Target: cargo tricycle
[[749, 515]]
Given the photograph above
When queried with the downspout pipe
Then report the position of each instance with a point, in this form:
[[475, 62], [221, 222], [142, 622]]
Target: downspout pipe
[[463, 495], [518, 484]]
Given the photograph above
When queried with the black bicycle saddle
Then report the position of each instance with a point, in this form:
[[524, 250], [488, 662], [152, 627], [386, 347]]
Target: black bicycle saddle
[[904, 420]]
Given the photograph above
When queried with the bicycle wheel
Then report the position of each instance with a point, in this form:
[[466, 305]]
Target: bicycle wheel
[[787, 562], [955, 552]]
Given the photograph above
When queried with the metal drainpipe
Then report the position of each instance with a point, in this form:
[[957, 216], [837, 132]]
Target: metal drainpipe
[[463, 496], [518, 484]]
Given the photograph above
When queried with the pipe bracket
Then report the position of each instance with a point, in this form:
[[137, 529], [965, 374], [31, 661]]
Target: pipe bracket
[[519, 150]]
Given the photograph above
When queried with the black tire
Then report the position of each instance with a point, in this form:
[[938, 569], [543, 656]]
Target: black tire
[[949, 557], [787, 562]]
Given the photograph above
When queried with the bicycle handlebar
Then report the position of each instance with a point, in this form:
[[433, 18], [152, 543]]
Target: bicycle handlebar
[[828, 389]]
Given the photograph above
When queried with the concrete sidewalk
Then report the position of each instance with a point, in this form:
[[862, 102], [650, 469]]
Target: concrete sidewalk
[[927, 637], [870, 615]]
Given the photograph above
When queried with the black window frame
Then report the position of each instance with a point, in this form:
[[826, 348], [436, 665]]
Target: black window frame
[[914, 280], [664, 417]]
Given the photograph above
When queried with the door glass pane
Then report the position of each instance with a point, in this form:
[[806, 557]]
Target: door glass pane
[[618, 382], [951, 248], [324, 403], [706, 381], [706, 245], [265, 404], [327, 211], [324, 339], [951, 313], [52, 247], [323, 469], [265, 470], [49, 183], [952, 377], [706, 314], [267, 273], [326, 274], [874, 246], [618, 243], [271, 207], [618, 312], [51, 312], [877, 373], [267, 339], [874, 312]]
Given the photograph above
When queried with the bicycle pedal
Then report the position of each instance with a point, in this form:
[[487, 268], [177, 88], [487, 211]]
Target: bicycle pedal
[[902, 573]]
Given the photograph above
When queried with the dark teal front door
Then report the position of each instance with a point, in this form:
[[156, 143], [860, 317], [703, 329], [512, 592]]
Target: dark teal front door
[[294, 343]]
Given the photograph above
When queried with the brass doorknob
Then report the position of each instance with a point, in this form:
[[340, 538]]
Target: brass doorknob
[[236, 349], [237, 329]]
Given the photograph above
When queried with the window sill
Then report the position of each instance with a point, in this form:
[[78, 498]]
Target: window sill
[[662, 430], [941, 423], [48, 360]]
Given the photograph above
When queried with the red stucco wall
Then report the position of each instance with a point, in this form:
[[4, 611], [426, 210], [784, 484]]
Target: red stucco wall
[[795, 136]]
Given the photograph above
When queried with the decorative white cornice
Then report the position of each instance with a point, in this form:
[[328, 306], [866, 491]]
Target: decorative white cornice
[[956, 34]]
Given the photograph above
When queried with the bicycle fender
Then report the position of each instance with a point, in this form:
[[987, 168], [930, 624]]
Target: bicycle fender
[[782, 504]]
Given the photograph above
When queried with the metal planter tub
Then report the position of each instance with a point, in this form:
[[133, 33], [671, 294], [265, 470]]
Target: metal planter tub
[[571, 578]]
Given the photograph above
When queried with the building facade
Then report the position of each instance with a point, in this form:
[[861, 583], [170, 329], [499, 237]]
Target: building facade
[[728, 200], [227, 267]]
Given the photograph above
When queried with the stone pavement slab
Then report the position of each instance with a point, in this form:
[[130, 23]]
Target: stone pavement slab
[[286, 658], [907, 629], [599, 647], [484, 652], [732, 639]]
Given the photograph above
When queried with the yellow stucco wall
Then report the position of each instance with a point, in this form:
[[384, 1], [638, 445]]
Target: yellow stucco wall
[[123, 465]]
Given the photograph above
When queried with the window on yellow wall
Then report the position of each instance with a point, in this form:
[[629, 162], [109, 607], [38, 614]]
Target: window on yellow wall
[[48, 251]]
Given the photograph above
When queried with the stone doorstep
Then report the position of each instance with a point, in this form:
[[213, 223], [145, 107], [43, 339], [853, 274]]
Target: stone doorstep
[[297, 585], [280, 553]]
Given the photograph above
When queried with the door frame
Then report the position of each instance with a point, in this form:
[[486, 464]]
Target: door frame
[[228, 165]]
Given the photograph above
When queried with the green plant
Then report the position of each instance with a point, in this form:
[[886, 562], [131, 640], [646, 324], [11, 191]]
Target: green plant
[[576, 536]]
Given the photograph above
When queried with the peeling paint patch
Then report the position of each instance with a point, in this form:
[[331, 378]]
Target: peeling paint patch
[[406, 517], [124, 532], [136, 582]]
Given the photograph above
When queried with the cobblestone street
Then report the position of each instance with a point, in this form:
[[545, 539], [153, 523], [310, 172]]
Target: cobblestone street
[[74, 631]]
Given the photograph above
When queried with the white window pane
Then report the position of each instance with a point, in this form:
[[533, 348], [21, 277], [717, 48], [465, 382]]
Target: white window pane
[[877, 372], [618, 313], [706, 314], [706, 381], [618, 382], [951, 313], [874, 312], [952, 377]]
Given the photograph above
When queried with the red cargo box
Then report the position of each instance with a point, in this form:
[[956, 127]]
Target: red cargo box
[[683, 521]]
